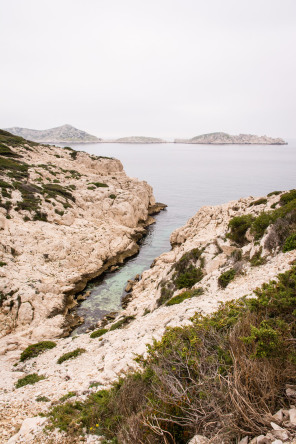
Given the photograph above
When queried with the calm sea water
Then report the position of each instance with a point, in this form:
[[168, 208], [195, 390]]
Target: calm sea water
[[185, 177]]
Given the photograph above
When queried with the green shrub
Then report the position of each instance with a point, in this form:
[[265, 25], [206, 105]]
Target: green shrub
[[226, 277], [126, 320], [73, 154], [7, 152], [99, 184], [29, 379], [60, 213], [290, 243], [189, 278], [238, 227], [13, 168], [288, 197], [2, 264], [36, 349], [70, 355], [258, 202], [185, 272], [274, 193], [42, 399], [40, 215], [257, 259], [185, 295], [236, 255], [260, 224], [166, 293], [54, 190], [112, 196], [98, 333], [68, 396]]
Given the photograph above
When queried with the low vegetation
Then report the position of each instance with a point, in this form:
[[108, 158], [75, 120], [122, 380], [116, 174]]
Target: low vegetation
[[42, 399], [238, 227], [257, 259], [36, 349], [187, 271], [185, 295], [12, 140], [70, 355], [221, 377], [282, 221], [226, 277], [261, 201], [290, 243], [98, 333], [68, 396], [122, 322], [99, 184], [29, 379]]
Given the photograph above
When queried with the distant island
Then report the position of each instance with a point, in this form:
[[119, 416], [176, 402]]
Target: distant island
[[138, 139], [60, 134], [227, 139], [69, 134]]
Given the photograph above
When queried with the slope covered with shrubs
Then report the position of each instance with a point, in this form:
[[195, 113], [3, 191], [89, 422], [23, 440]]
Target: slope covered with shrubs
[[222, 376]]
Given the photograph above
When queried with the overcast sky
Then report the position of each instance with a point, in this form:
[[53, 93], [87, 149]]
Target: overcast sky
[[169, 68]]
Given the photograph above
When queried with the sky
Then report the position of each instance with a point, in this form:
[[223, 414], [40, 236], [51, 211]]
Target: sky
[[163, 68]]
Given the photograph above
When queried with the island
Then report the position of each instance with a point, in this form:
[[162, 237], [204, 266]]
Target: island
[[226, 139], [139, 139], [61, 134]]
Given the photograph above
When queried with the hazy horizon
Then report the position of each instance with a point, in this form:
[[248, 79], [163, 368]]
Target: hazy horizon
[[163, 68]]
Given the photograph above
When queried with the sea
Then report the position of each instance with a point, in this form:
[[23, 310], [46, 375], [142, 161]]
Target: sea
[[184, 177]]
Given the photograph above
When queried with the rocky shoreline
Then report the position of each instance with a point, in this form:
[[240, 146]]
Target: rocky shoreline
[[147, 315], [65, 218]]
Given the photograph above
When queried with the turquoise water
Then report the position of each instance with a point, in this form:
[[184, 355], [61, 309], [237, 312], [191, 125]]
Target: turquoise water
[[185, 177]]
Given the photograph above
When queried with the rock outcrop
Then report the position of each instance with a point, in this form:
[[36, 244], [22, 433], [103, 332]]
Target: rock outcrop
[[60, 134], [65, 217], [203, 240], [227, 139]]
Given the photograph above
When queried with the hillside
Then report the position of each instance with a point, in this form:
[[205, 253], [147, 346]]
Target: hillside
[[222, 254], [60, 134], [227, 139]]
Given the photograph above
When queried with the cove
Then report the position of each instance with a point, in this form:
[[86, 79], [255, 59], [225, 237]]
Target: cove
[[185, 177]]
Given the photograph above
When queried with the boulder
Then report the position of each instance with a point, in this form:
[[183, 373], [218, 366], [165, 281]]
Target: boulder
[[29, 428]]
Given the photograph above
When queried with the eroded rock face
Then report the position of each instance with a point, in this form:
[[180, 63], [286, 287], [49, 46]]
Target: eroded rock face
[[59, 227]]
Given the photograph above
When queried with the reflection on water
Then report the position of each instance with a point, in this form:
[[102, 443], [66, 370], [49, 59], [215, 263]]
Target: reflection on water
[[186, 177]]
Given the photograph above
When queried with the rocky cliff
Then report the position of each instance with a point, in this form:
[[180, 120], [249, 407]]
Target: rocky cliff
[[65, 217], [60, 134], [227, 139], [223, 253]]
